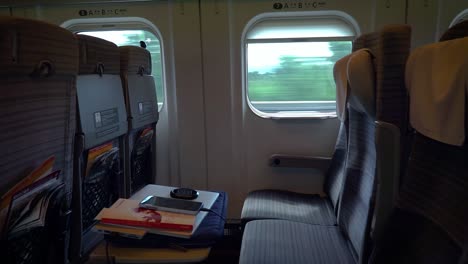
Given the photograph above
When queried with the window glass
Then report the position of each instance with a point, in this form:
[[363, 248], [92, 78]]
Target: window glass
[[300, 28], [133, 37], [290, 66], [460, 18]]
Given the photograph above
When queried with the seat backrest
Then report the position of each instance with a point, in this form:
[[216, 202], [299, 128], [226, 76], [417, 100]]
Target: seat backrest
[[37, 114], [360, 161], [334, 176], [99, 148], [142, 110], [383, 59], [391, 47], [101, 102], [429, 223]]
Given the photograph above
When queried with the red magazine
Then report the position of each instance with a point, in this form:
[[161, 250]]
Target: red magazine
[[128, 213]]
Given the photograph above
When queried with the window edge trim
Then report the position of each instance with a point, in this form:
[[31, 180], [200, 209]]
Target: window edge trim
[[460, 16], [76, 25], [285, 40], [298, 14]]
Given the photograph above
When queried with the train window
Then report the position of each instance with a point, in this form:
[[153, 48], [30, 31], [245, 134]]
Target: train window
[[289, 65], [460, 17], [133, 37]]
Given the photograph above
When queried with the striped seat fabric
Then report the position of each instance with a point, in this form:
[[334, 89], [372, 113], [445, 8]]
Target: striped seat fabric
[[306, 208], [391, 47], [37, 97], [362, 189], [277, 204], [38, 68], [284, 242], [429, 222]]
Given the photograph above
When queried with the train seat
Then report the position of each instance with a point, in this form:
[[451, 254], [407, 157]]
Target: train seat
[[309, 208], [99, 147], [392, 45], [281, 241], [37, 123], [142, 110], [361, 182], [428, 224]]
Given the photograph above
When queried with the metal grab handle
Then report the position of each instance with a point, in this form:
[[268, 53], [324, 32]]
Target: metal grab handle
[[291, 161]]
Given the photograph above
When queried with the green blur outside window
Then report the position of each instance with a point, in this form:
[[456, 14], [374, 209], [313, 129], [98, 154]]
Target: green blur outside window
[[290, 65]]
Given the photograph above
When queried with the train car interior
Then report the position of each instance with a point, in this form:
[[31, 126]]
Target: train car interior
[[234, 131]]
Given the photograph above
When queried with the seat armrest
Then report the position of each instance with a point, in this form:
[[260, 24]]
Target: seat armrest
[[291, 161]]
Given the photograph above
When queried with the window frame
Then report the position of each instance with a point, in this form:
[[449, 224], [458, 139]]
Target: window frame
[[123, 23], [462, 16], [306, 15]]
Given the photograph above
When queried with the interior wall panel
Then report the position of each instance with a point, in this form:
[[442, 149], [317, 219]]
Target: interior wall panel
[[239, 142], [422, 16], [190, 94], [389, 12]]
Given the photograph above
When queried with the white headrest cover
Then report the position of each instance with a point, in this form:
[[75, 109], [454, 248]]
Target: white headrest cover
[[361, 78], [437, 82], [341, 82]]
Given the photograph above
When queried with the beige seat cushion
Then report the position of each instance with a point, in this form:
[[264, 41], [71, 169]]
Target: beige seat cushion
[[437, 81]]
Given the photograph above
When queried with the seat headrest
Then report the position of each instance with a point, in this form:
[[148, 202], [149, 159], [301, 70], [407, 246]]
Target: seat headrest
[[388, 36], [135, 60], [341, 81], [98, 56], [390, 47], [26, 48], [395, 30], [459, 30], [361, 78], [437, 82], [360, 42]]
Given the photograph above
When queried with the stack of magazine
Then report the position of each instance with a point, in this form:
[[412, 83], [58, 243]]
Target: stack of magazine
[[128, 219], [25, 205]]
